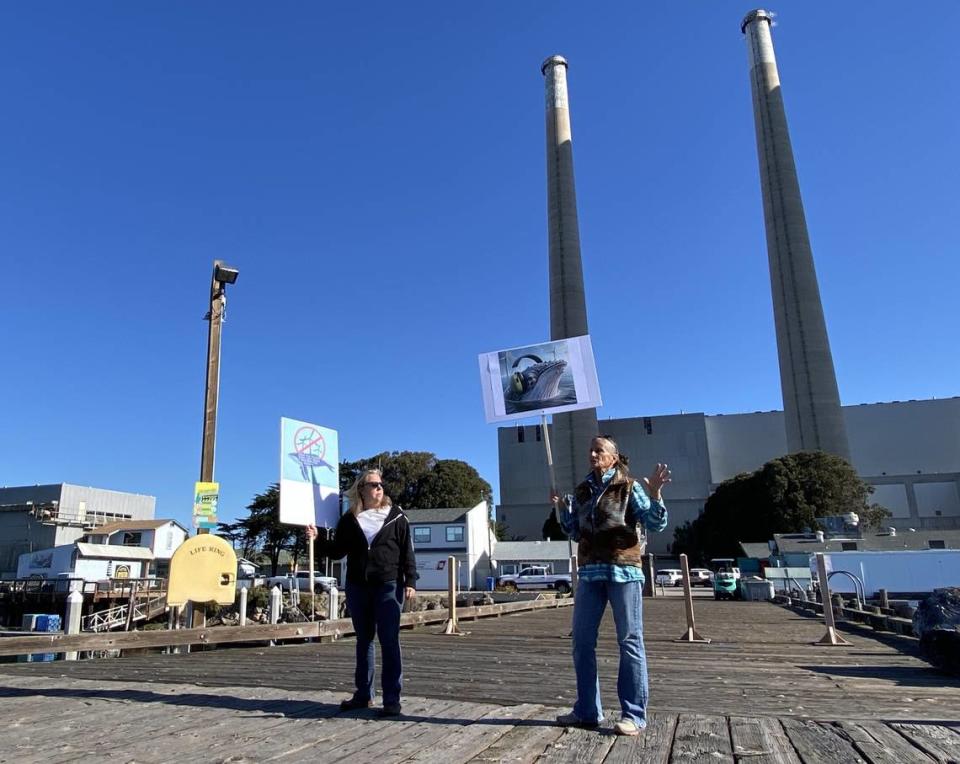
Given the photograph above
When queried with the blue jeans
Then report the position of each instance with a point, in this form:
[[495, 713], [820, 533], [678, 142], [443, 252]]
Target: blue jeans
[[375, 611], [625, 601]]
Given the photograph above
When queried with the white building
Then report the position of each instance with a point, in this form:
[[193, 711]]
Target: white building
[[161, 537], [909, 451], [40, 517], [463, 533], [91, 562]]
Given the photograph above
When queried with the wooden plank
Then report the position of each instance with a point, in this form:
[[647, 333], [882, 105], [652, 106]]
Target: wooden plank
[[759, 653], [820, 742], [523, 744], [652, 746], [941, 742], [575, 746], [701, 740], [761, 741], [881, 744], [463, 744], [314, 744], [384, 731], [452, 721]]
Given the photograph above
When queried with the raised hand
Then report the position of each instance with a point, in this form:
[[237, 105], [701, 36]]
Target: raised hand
[[311, 531], [657, 480]]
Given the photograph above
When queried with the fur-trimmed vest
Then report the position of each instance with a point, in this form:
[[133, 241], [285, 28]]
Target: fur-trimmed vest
[[608, 532]]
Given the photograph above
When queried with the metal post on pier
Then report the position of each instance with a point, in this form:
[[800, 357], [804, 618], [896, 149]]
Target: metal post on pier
[[690, 635], [451, 628], [243, 605], [333, 603], [275, 598], [73, 617], [831, 637]]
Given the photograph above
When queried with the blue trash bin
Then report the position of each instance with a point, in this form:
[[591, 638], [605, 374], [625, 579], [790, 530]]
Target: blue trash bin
[[491, 583]]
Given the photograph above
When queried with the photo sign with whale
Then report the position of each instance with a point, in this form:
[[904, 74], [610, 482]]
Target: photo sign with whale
[[547, 378], [309, 474]]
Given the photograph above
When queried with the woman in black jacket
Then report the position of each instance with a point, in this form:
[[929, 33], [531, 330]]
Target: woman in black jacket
[[375, 538]]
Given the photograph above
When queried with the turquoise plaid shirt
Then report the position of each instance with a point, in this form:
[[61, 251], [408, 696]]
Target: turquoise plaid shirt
[[653, 515]]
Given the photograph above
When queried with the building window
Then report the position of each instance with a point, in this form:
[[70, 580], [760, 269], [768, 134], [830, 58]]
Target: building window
[[421, 535], [132, 539], [455, 533], [508, 568], [648, 425], [539, 433], [520, 434], [848, 546], [937, 544]]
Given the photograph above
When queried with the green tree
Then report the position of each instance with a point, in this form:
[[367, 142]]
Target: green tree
[[786, 495], [418, 480], [451, 483]]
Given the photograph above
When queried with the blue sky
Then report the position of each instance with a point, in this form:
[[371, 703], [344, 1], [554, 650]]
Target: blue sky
[[376, 172]]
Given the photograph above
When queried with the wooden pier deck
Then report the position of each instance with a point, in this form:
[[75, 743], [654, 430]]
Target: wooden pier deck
[[760, 692]]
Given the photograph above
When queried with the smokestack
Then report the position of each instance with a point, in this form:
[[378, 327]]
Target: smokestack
[[568, 306], [811, 401]]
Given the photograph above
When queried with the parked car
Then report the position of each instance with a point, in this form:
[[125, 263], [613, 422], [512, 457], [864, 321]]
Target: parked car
[[301, 579], [726, 565], [669, 577], [535, 577], [701, 577]]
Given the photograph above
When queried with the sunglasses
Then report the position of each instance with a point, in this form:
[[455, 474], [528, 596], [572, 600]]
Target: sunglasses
[[373, 485]]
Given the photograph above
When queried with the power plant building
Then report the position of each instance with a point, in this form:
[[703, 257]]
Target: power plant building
[[908, 451]]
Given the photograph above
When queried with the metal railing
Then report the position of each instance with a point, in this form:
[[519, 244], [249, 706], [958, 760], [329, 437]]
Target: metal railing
[[105, 620]]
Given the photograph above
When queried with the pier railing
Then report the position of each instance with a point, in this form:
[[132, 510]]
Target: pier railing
[[875, 618], [58, 643]]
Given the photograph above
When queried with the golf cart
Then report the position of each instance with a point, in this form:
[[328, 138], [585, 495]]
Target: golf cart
[[726, 579]]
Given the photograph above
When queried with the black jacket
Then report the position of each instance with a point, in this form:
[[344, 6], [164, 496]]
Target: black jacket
[[388, 558]]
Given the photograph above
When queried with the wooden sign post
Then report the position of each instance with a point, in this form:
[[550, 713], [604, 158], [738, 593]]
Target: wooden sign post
[[690, 635], [831, 637]]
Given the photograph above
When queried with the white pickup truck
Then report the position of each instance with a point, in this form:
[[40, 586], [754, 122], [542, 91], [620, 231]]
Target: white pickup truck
[[535, 577]]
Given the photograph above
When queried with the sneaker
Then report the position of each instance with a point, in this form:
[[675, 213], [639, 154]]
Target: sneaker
[[352, 704], [390, 709], [572, 720], [627, 727]]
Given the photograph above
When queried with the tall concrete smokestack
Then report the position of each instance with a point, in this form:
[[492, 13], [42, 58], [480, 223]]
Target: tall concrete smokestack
[[568, 307], [811, 401]]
